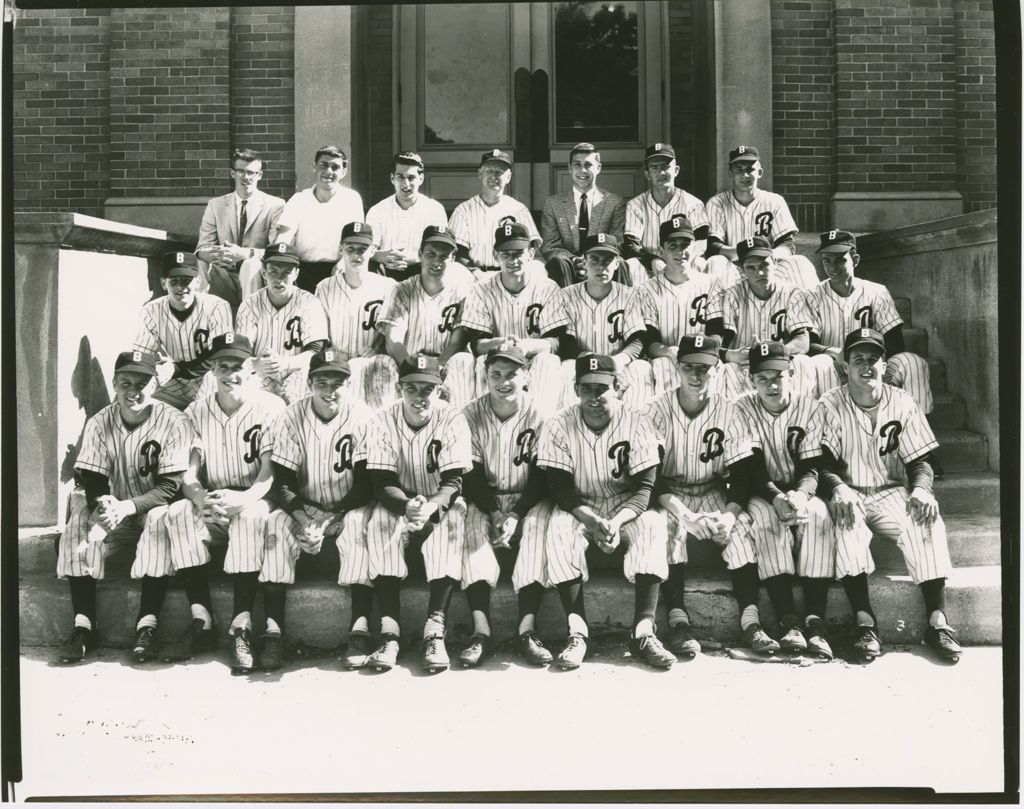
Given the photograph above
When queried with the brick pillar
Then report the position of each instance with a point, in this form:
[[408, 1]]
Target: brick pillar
[[976, 103]]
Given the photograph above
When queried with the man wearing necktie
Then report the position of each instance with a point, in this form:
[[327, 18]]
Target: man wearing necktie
[[569, 218]]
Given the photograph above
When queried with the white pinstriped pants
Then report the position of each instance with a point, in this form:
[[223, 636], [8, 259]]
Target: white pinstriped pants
[[283, 547], [190, 537], [531, 559], [774, 541], [740, 549], [387, 537], [479, 562]]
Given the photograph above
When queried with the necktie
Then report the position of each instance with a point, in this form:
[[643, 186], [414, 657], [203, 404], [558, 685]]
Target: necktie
[[584, 225], [243, 220]]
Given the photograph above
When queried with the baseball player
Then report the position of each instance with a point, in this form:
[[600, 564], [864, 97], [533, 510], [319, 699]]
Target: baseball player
[[286, 325], [674, 302], [600, 461], [762, 307], [604, 318], [703, 491], [417, 452], [322, 489], [792, 528], [745, 211], [509, 307], [875, 446], [398, 221], [501, 489], [179, 327], [229, 474], [664, 201], [353, 299], [842, 303], [134, 453]]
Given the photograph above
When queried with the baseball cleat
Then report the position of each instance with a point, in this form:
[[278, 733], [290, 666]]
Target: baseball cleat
[[867, 646], [681, 642], [817, 639], [241, 651], [759, 641], [648, 649], [144, 649], [386, 656], [358, 651], [531, 649], [478, 649], [792, 640], [77, 646], [942, 641], [192, 641], [271, 653], [435, 653], [574, 652]]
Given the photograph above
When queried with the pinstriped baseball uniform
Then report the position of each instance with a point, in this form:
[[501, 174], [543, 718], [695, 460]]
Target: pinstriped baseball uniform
[[870, 306], [131, 459], [352, 315], [644, 216], [419, 457], [875, 458], [160, 332], [602, 465], [780, 436], [423, 322], [395, 228], [505, 449], [230, 448], [697, 452], [323, 455], [283, 331], [473, 222]]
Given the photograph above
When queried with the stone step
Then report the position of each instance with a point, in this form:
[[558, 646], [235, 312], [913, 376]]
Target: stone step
[[962, 451], [916, 340], [967, 493], [318, 611], [950, 412]]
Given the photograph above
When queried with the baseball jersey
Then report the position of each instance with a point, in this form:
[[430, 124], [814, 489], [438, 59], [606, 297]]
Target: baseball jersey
[[779, 317], [504, 448], [473, 222], [644, 216], [870, 306], [181, 340], [677, 309], [698, 449], [321, 453], [231, 445], [767, 215], [419, 457], [314, 227], [873, 456], [780, 436], [603, 326], [601, 463], [395, 228], [353, 312], [282, 331], [490, 308], [424, 322], [132, 459]]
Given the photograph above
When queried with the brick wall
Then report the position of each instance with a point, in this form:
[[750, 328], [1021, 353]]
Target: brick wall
[[686, 114], [976, 103]]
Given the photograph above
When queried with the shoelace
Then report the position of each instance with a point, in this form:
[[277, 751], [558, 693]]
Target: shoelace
[[242, 643], [433, 645]]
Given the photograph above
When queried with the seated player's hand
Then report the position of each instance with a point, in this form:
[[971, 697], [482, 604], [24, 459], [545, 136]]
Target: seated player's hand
[[312, 537], [232, 501], [922, 506], [268, 365], [621, 360], [694, 525], [164, 371], [609, 543], [112, 512], [846, 506], [234, 253], [412, 510], [657, 266], [798, 500], [784, 508], [215, 510], [737, 355], [504, 527], [332, 527], [723, 525]]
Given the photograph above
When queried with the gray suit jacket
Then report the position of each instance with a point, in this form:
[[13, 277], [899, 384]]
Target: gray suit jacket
[[559, 226], [220, 221]]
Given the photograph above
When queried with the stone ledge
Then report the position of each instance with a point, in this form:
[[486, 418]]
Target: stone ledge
[[979, 227], [860, 211], [75, 231]]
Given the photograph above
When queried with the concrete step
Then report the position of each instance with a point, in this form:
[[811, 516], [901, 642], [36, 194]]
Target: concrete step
[[962, 451], [916, 340], [319, 613], [950, 412], [967, 493], [904, 309]]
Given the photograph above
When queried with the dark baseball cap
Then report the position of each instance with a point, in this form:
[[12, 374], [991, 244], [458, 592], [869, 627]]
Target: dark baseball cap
[[743, 154], [768, 355], [511, 236], [496, 155], [438, 234], [409, 158], [659, 150], [595, 368], [754, 246], [701, 349], [329, 361], [179, 263], [357, 233], [512, 354], [837, 241], [139, 362], [601, 243], [861, 337], [230, 344], [678, 227], [282, 253], [420, 368]]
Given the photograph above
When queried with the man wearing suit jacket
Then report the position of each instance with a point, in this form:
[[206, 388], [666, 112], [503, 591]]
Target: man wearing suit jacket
[[569, 218], [235, 230]]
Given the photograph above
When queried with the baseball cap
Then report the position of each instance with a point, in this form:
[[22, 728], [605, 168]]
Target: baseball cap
[[141, 362], [511, 236], [512, 354], [659, 150], [409, 158], [329, 361], [768, 355], [499, 155], [595, 368], [420, 368], [439, 234], [678, 227], [754, 246], [601, 243], [282, 253], [357, 233], [701, 349], [230, 344], [179, 263], [743, 154], [837, 241], [859, 337]]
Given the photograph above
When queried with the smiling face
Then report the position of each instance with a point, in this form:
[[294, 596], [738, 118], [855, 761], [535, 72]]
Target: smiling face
[[356, 256], [661, 172], [329, 171], [280, 276], [839, 267], [230, 372], [505, 380], [513, 263], [246, 175], [133, 391], [494, 176], [181, 290], [695, 377], [418, 400], [406, 179], [774, 388], [326, 387], [599, 401], [584, 168], [678, 253], [866, 365], [745, 175], [435, 258]]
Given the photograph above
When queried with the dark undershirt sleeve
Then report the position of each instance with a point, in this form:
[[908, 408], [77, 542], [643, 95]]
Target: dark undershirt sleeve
[[920, 473], [651, 336], [316, 346], [830, 475], [568, 346], [361, 491], [535, 491], [161, 494], [284, 493], [701, 233], [389, 491], [450, 488], [806, 477], [635, 345], [786, 240], [563, 489], [714, 246], [191, 369], [640, 501], [95, 484], [761, 484], [478, 491], [894, 341], [740, 484]]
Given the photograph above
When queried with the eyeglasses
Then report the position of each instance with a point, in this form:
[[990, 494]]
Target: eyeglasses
[[246, 173]]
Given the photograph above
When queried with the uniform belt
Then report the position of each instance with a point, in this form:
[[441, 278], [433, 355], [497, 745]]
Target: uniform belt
[[695, 489], [873, 490]]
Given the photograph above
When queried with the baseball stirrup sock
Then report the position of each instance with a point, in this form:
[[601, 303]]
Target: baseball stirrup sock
[[201, 613], [934, 592], [857, 593], [389, 602], [362, 603], [245, 586], [815, 596], [529, 604], [745, 585], [645, 597], [440, 595], [750, 615], [83, 596], [674, 587], [780, 593], [571, 595], [197, 586], [273, 603], [154, 588]]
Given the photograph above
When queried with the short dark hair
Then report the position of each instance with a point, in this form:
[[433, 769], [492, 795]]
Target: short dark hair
[[331, 151], [245, 155], [406, 159], [584, 148]]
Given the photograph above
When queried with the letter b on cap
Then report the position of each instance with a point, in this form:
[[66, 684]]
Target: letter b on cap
[[508, 230], [600, 238], [763, 348], [329, 356], [229, 338], [750, 242], [593, 363], [698, 341], [832, 234], [421, 362], [865, 332], [179, 258], [137, 355]]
